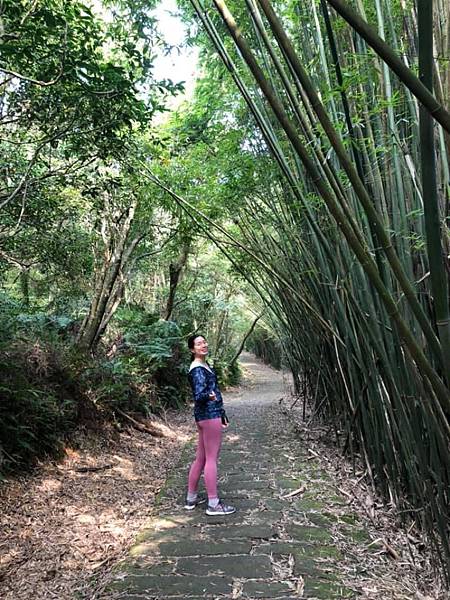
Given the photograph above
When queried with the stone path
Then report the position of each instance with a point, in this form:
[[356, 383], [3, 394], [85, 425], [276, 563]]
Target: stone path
[[275, 546]]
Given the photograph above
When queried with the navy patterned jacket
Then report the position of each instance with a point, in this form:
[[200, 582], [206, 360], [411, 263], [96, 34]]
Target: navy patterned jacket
[[204, 381]]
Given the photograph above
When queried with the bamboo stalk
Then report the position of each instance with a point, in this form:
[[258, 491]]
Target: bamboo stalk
[[194, 210], [358, 186], [267, 132], [439, 283], [321, 162], [355, 151], [420, 91], [442, 393]]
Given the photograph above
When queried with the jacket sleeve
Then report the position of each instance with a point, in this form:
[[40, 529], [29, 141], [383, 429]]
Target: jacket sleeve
[[199, 384]]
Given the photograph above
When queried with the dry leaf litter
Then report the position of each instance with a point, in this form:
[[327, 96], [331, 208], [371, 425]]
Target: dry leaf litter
[[65, 524]]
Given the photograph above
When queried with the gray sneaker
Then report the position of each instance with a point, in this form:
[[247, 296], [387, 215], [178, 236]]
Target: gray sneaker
[[220, 509], [191, 504]]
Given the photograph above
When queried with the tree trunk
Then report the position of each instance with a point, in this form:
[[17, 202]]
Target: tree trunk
[[25, 285], [175, 270], [116, 255], [118, 290]]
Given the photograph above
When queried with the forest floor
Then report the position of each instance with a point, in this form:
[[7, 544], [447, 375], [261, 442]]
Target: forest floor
[[306, 520]]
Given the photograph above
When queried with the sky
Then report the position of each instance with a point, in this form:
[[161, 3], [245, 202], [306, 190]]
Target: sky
[[181, 64]]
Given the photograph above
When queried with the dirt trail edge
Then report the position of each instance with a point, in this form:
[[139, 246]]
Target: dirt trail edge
[[293, 535]]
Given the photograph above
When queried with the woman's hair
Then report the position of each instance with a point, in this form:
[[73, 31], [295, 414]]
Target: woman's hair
[[192, 338]]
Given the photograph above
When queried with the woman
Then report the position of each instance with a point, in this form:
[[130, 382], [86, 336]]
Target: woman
[[211, 419]]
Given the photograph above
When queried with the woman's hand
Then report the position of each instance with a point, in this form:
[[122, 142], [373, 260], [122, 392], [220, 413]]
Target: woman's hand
[[212, 395], [225, 421]]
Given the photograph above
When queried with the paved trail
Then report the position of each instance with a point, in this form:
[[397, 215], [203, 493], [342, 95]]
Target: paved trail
[[273, 547]]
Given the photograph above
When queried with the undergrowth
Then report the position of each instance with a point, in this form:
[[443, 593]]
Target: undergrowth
[[49, 387]]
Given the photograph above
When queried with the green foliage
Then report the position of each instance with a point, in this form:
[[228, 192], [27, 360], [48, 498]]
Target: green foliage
[[74, 112], [154, 350], [228, 374], [33, 421], [266, 346], [234, 373], [49, 387], [38, 407], [77, 74], [71, 99]]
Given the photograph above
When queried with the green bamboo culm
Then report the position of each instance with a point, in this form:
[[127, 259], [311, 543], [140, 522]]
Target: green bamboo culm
[[340, 80], [417, 88], [358, 185], [438, 274], [351, 131], [264, 125], [442, 393], [358, 373]]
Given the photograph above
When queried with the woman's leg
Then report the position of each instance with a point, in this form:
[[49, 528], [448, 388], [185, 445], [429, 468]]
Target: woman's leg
[[212, 439], [197, 466]]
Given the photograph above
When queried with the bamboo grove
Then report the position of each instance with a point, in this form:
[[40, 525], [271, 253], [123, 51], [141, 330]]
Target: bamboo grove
[[349, 235]]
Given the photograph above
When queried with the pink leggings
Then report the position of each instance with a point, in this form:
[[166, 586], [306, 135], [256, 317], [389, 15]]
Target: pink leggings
[[208, 447]]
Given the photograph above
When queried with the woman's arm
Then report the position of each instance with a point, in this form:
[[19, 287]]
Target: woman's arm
[[199, 384]]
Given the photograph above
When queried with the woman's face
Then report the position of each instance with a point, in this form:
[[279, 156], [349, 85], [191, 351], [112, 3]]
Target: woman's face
[[200, 349]]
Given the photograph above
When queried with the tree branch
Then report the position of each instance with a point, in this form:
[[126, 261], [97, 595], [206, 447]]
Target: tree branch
[[30, 79], [246, 336]]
